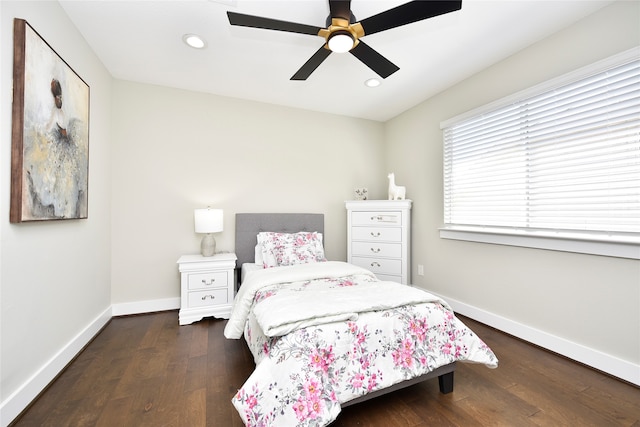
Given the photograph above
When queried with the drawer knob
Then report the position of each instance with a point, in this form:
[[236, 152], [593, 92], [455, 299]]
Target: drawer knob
[[375, 250], [208, 282], [204, 298], [376, 218], [375, 234], [375, 264]]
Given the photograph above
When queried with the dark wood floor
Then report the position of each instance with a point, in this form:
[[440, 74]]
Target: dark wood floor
[[148, 371]]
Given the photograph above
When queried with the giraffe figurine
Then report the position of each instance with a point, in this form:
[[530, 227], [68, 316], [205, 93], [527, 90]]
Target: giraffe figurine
[[396, 192]]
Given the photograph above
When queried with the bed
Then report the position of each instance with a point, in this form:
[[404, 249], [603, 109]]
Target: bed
[[326, 334]]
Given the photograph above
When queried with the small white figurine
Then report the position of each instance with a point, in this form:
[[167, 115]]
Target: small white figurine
[[396, 192]]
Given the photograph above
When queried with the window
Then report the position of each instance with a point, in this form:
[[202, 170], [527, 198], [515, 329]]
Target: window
[[558, 161]]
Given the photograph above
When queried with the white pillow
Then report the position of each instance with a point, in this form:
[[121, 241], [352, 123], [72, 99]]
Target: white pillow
[[258, 254], [279, 249]]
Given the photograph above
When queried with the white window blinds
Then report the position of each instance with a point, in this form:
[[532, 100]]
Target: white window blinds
[[566, 158]]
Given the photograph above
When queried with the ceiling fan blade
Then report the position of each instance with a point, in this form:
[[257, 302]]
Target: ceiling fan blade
[[313, 63], [372, 59], [243, 20], [340, 9], [407, 13]]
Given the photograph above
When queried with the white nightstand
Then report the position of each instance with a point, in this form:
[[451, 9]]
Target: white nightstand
[[207, 286]]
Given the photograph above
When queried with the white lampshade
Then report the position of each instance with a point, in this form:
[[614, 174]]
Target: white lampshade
[[208, 220]]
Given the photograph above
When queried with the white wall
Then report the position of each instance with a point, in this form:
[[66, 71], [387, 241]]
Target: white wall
[[174, 151], [590, 304], [55, 277]]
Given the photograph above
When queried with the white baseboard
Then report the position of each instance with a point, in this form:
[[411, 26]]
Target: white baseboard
[[150, 306], [604, 362], [14, 404]]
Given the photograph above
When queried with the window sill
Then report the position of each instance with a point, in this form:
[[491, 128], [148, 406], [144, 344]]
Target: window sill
[[585, 243]]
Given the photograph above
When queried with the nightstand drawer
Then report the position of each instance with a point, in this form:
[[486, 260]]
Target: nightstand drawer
[[376, 249], [376, 218], [379, 266], [207, 298], [382, 234], [216, 279]]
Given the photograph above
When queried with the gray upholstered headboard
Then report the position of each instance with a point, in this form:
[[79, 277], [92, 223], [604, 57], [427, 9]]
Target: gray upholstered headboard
[[248, 225]]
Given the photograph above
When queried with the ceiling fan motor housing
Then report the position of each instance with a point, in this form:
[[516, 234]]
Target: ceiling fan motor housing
[[340, 27]]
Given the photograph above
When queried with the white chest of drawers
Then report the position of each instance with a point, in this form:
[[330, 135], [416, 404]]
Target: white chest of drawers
[[378, 237], [207, 286]]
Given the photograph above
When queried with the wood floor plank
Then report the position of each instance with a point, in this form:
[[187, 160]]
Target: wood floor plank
[[487, 401], [617, 405], [194, 380], [115, 413], [199, 340], [442, 410], [148, 371], [195, 413]]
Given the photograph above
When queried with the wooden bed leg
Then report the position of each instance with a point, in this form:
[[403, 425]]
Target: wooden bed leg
[[445, 381]]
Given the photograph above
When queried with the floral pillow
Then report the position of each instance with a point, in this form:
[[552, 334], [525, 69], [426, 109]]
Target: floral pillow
[[279, 249]]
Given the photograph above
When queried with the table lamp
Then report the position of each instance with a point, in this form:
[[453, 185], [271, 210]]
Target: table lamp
[[208, 221]]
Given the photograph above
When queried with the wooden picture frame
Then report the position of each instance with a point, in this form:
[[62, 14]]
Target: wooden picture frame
[[50, 133]]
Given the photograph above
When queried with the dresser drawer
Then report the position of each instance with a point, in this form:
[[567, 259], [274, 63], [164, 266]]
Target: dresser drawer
[[377, 249], [377, 265], [207, 298], [377, 234], [214, 279], [376, 218]]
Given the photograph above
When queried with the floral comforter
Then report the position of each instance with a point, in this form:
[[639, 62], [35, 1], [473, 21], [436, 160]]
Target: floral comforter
[[313, 358]]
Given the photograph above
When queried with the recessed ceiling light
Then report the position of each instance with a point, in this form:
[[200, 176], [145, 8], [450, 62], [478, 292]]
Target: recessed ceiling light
[[372, 83], [194, 41]]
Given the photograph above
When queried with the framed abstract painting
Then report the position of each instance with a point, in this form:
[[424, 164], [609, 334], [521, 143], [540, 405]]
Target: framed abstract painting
[[50, 133]]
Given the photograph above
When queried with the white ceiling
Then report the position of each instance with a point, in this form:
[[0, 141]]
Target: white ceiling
[[142, 41]]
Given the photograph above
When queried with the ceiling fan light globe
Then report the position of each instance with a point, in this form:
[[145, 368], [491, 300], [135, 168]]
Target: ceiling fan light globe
[[341, 42]]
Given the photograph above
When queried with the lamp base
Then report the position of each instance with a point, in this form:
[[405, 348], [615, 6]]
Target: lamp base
[[208, 245]]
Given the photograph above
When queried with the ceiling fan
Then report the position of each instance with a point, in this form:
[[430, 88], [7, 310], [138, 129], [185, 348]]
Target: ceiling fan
[[343, 33]]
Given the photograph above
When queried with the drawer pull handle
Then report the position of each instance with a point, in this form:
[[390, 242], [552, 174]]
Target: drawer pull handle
[[375, 234], [385, 218], [208, 282], [375, 250], [375, 264], [204, 298]]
